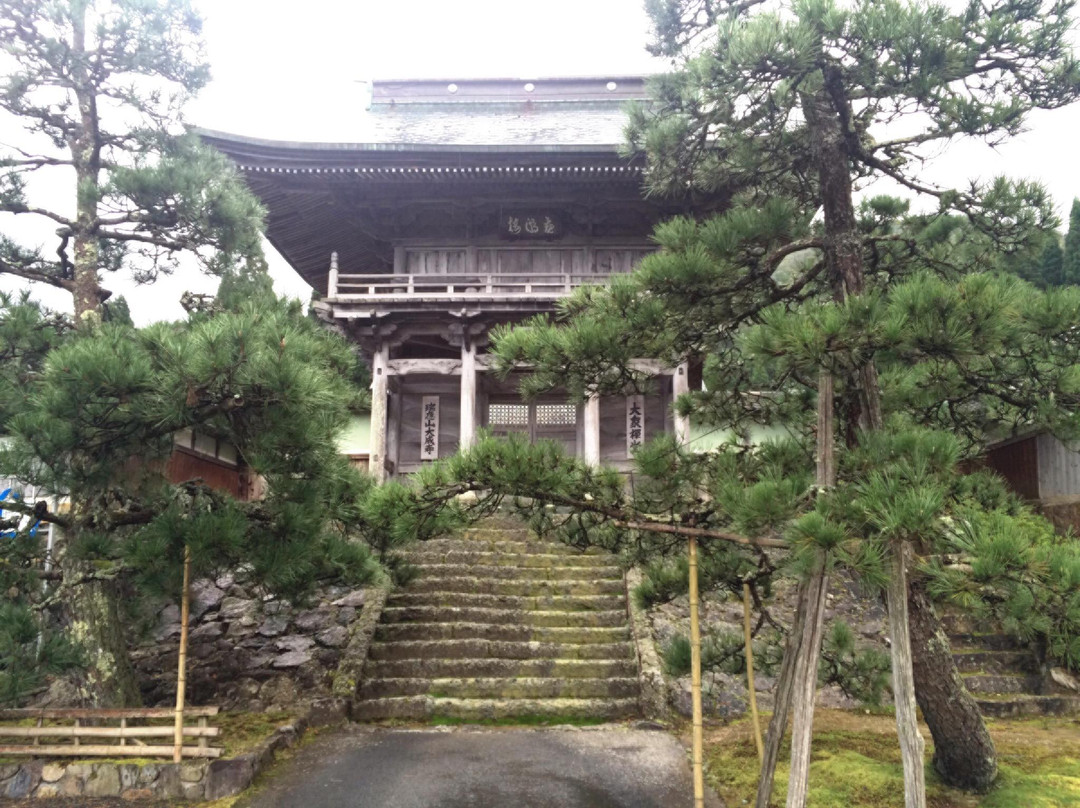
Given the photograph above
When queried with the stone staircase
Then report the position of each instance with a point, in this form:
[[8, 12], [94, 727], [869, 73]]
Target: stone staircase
[[1003, 674], [499, 625]]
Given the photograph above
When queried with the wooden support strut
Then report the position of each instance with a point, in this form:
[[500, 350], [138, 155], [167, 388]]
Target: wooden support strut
[[695, 679], [181, 672]]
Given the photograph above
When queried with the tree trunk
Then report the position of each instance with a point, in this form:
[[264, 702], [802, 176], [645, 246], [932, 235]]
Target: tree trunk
[[96, 625], [828, 116], [804, 685], [782, 697], [802, 649], [912, 747], [964, 753], [85, 146]]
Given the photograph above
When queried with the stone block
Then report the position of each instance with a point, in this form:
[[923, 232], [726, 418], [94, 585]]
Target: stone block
[[313, 620], [355, 599], [168, 782], [233, 608], [51, 772], [325, 712], [71, 784], [193, 791], [140, 794], [20, 786], [292, 659], [192, 772], [129, 775], [274, 625], [207, 631], [294, 642], [346, 614], [205, 596], [229, 776], [149, 773], [104, 782], [47, 791], [334, 637]]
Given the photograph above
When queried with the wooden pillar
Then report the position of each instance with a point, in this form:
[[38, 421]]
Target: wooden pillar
[[332, 280], [393, 428], [378, 411], [680, 384], [468, 395], [591, 431]]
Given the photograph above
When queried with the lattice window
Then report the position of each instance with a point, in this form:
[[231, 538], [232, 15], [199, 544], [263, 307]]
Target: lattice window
[[556, 415], [508, 414]]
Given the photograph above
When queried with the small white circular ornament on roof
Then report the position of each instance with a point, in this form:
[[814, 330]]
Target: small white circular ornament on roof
[[451, 88], [529, 86], [611, 86]]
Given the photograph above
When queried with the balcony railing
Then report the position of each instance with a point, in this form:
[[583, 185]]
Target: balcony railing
[[442, 273], [382, 286]]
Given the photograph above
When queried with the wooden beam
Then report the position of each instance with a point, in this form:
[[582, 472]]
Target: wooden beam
[[405, 367], [106, 750], [106, 732], [51, 713]]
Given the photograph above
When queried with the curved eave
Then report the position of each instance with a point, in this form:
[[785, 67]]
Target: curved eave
[[250, 152]]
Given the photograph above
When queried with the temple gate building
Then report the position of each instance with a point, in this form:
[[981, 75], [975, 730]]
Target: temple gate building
[[466, 205]]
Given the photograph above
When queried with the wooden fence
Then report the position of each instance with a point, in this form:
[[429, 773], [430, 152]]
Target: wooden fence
[[64, 733]]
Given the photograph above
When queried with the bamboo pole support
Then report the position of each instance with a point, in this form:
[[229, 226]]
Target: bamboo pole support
[[181, 671], [695, 678], [750, 673]]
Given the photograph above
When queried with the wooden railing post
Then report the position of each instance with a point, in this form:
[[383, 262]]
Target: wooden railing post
[[332, 281]]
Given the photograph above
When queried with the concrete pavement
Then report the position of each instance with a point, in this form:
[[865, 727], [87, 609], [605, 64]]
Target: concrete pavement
[[596, 767]]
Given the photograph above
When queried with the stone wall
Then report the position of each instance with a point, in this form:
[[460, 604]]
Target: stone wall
[[38, 779], [724, 695], [151, 781], [253, 652]]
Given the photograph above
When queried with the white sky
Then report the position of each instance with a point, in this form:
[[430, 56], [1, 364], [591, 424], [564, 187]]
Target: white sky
[[289, 70]]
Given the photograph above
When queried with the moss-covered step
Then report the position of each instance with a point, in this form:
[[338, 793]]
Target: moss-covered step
[[498, 649], [525, 618], [501, 631], [501, 668], [496, 688], [426, 707], [503, 572], [557, 603]]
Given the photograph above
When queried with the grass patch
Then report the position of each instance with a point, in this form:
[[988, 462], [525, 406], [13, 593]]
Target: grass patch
[[856, 762], [242, 732], [516, 721]]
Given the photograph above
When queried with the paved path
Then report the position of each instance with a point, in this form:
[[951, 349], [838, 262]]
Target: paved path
[[608, 767]]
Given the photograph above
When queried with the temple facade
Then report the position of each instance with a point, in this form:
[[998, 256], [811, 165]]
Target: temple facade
[[465, 205]]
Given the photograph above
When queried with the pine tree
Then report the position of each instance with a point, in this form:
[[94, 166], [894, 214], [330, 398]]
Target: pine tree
[[91, 404], [783, 105], [95, 421], [99, 87], [1070, 262], [1052, 263]]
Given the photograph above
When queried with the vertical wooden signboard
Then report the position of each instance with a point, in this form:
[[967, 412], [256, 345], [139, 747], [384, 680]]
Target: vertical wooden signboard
[[429, 428], [635, 423]]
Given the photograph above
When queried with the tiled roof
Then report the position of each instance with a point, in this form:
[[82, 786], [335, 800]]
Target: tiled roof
[[545, 123], [501, 112]]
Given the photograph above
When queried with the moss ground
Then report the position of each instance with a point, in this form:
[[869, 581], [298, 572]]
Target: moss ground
[[856, 762]]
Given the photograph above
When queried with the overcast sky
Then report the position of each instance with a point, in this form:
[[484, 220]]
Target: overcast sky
[[292, 70]]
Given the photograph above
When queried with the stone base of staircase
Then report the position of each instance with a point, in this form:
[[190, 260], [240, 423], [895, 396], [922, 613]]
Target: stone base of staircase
[[499, 625], [1003, 675]]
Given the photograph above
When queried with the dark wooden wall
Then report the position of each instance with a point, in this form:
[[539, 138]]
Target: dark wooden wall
[[1018, 463]]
